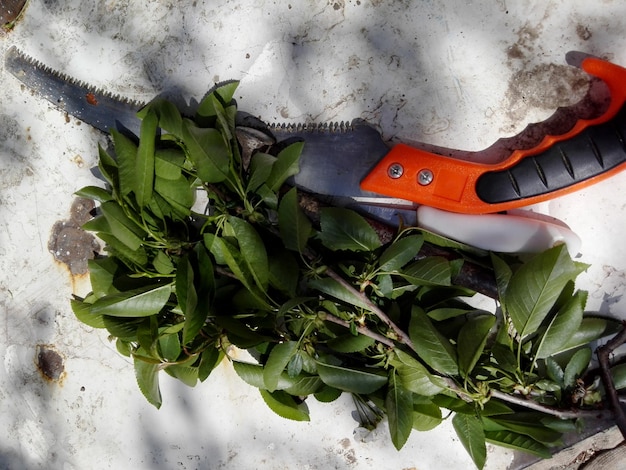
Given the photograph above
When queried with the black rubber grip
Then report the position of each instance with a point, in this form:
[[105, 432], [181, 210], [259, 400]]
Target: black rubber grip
[[595, 150]]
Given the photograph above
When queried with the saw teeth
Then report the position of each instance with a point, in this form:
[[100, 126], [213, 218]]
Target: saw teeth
[[20, 56], [325, 127]]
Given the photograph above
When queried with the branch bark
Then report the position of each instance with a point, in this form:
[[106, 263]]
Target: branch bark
[[533, 405], [604, 353], [361, 329]]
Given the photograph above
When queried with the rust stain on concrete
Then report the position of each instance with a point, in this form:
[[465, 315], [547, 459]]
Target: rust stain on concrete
[[50, 363]]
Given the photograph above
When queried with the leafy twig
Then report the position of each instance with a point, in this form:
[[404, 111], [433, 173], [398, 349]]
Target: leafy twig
[[604, 353], [401, 335], [361, 329]]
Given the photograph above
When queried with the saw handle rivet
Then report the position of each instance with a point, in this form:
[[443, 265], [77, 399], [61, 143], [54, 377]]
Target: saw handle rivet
[[395, 170], [425, 177]]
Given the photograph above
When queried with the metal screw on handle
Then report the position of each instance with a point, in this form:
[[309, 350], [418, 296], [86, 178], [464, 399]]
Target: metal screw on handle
[[425, 177], [395, 170]]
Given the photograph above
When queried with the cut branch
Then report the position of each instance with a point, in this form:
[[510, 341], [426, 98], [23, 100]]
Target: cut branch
[[533, 405], [604, 353], [361, 329]]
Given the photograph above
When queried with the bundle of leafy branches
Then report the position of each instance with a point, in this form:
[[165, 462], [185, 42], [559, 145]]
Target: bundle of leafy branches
[[325, 307]]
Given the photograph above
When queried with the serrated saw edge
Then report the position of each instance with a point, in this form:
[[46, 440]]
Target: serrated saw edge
[[20, 59]]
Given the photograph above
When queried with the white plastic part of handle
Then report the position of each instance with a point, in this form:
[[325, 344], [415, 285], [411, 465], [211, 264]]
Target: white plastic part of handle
[[506, 233]]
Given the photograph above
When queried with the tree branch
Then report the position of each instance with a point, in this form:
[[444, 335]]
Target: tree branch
[[533, 405], [604, 353], [361, 329]]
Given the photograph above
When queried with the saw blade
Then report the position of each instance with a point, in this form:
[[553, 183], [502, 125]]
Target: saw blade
[[335, 158], [96, 107]]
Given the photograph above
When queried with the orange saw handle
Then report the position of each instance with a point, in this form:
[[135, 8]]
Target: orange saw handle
[[593, 150]]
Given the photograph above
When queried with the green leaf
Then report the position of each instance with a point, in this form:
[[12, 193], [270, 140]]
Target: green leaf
[[350, 343], [126, 152], [400, 253], [108, 167], [285, 405], [503, 275], [134, 303], [124, 328], [576, 366], [504, 357], [169, 117], [350, 379], [228, 254], [527, 423], [220, 96], [433, 347], [591, 329], [186, 374], [82, 310], [95, 193], [555, 372], [516, 441], [276, 363], [269, 197], [344, 229], [169, 345], [294, 226], [252, 374], [563, 326], [399, 407], [341, 292], [535, 287], [471, 341], [294, 367], [185, 289], [260, 169], [168, 163], [188, 299], [97, 224], [286, 165], [126, 254], [471, 434], [300, 385], [144, 164], [618, 373], [446, 313], [304, 385], [414, 375], [208, 152], [252, 250], [123, 347], [431, 271], [209, 360], [178, 193], [122, 227], [148, 381], [426, 416], [147, 336], [163, 263], [226, 91], [102, 273], [328, 394], [284, 272]]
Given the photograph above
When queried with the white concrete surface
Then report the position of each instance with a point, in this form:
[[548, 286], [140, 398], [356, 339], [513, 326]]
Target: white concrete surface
[[458, 74]]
